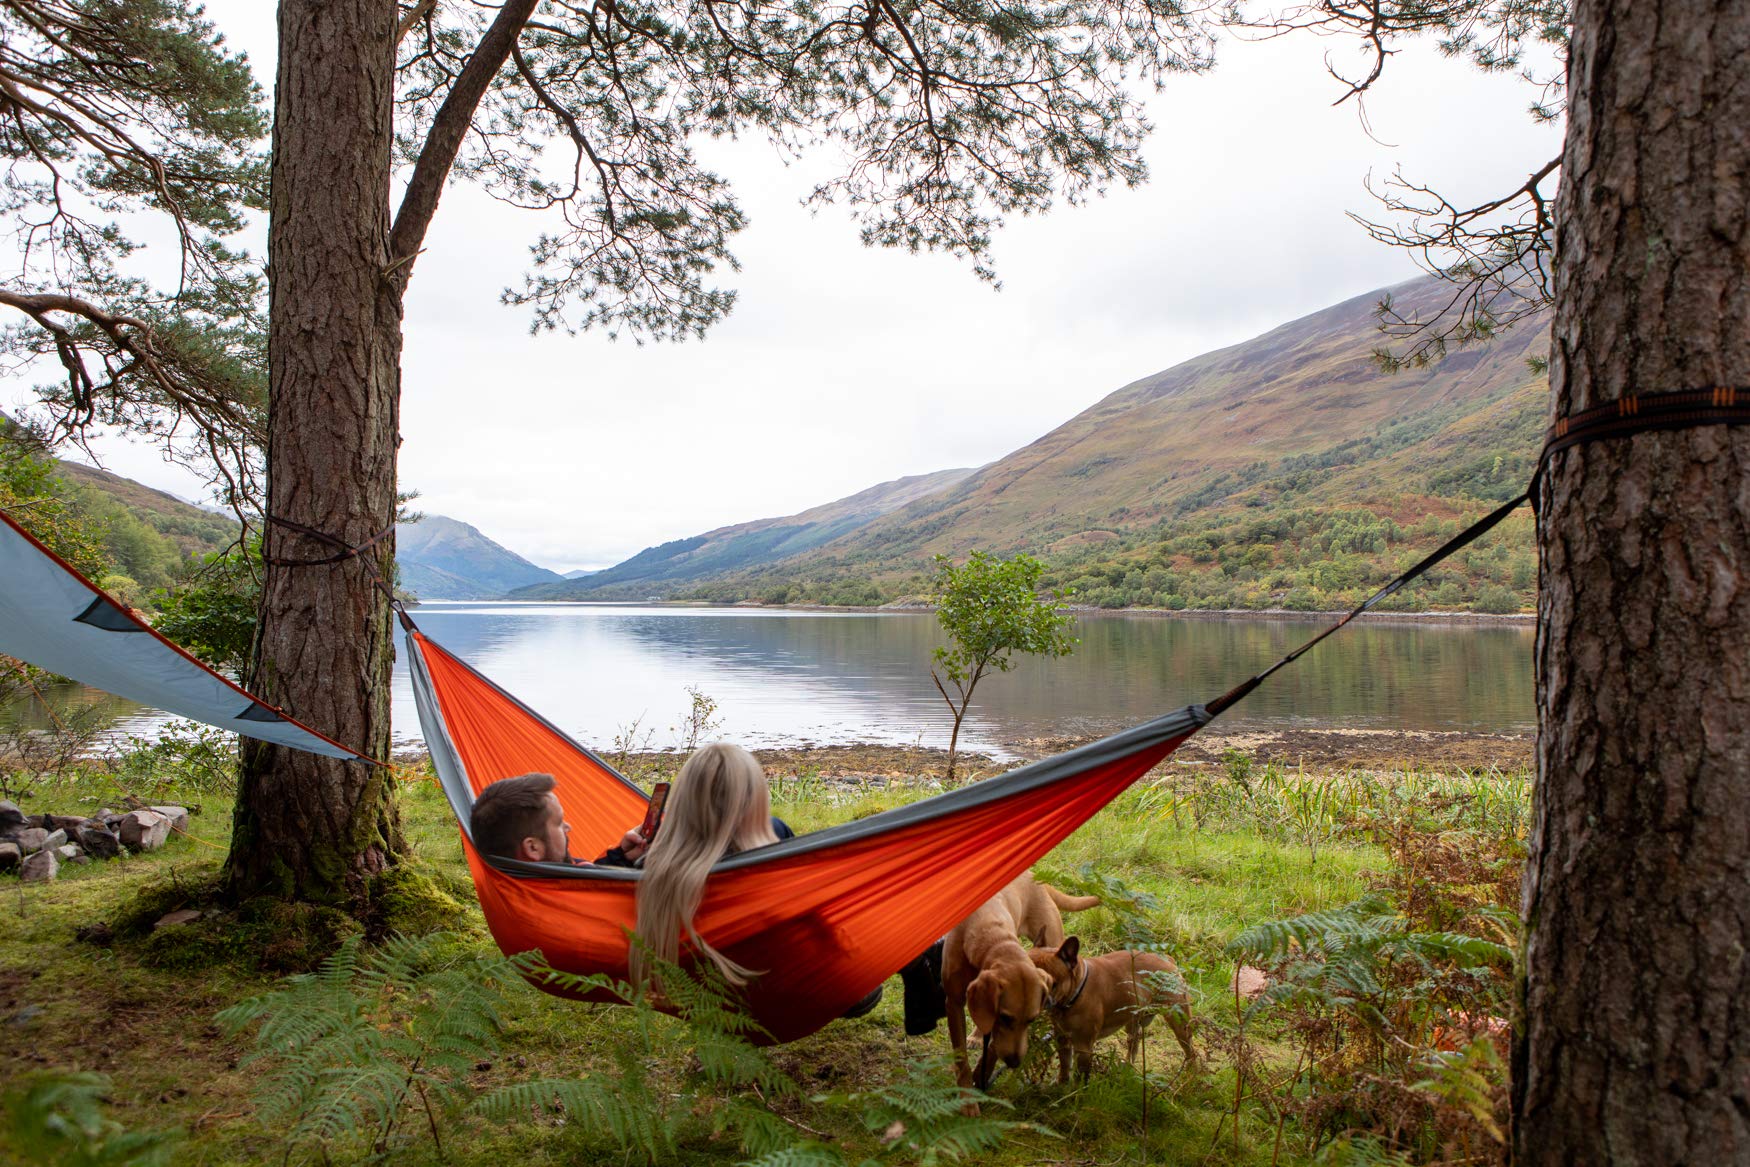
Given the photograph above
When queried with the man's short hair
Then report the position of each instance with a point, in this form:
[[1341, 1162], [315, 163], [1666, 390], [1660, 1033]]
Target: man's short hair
[[509, 811]]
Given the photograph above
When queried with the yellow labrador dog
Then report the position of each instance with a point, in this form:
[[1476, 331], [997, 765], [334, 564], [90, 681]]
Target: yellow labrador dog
[[986, 972]]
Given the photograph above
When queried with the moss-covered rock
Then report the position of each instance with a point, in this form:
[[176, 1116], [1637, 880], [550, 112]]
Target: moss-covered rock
[[413, 899], [196, 885], [295, 937]]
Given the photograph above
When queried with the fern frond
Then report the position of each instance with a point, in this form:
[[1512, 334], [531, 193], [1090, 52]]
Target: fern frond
[[808, 1154]]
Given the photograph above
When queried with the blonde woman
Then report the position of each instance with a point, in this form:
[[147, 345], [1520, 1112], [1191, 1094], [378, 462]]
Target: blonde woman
[[719, 805]]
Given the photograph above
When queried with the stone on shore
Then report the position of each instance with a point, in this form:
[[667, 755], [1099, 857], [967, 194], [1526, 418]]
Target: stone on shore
[[178, 816], [97, 842], [30, 838], [40, 867], [144, 830]]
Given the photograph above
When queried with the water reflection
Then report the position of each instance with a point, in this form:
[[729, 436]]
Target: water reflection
[[784, 678]]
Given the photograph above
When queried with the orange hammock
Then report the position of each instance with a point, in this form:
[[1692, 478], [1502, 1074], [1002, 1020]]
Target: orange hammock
[[828, 915]]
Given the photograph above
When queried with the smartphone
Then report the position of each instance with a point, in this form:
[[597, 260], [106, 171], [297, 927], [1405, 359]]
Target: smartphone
[[653, 813]]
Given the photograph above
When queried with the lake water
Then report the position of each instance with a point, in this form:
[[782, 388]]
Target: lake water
[[789, 678]]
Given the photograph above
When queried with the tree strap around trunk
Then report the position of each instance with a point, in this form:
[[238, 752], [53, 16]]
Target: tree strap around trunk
[[1625, 417], [347, 550]]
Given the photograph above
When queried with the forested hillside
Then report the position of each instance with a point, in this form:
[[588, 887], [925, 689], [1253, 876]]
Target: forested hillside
[[131, 539]]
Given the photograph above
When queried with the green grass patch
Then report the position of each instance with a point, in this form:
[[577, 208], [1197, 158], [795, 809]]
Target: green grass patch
[[1188, 860]]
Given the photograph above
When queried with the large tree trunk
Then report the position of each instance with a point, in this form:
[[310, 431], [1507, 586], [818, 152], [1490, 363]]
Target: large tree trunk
[[306, 826], [1636, 1047]]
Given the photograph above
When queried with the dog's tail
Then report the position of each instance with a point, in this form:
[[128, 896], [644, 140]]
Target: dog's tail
[[1069, 903]]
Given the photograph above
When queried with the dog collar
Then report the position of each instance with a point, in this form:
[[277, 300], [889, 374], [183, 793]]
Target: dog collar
[[1077, 995]]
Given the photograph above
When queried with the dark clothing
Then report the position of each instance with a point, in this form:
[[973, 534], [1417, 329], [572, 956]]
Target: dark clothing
[[925, 1000], [615, 857]]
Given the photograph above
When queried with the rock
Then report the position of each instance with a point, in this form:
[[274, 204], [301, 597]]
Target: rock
[[99, 934], [178, 816], [30, 839], [180, 916], [97, 842], [40, 867], [144, 830], [69, 852], [1248, 983], [56, 838], [10, 815], [62, 822], [11, 855]]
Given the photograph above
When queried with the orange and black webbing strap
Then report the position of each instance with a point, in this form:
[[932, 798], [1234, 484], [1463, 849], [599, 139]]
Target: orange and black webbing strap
[[1625, 417]]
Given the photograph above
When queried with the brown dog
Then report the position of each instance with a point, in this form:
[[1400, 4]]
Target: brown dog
[[985, 971], [1092, 997]]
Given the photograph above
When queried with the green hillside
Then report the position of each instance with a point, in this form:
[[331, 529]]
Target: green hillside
[[130, 538], [1287, 471]]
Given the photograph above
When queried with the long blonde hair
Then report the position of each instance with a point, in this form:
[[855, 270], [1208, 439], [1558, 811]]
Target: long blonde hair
[[719, 805]]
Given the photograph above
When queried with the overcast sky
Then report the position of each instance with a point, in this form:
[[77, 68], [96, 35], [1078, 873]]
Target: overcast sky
[[842, 367]]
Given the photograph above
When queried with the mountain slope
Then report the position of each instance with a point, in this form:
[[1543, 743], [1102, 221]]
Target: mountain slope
[[444, 559], [1204, 431], [745, 545], [1236, 479]]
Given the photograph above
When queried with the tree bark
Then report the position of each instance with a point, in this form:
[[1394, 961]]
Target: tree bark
[[308, 827], [1635, 1047]]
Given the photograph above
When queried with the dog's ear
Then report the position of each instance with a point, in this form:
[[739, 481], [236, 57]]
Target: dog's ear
[[981, 1002], [1068, 951]]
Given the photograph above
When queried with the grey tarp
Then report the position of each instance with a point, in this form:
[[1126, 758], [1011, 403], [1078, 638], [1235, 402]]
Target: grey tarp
[[51, 617]]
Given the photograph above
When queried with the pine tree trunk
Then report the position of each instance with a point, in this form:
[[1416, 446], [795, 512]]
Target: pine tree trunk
[[310, 827], [1636, 1044]]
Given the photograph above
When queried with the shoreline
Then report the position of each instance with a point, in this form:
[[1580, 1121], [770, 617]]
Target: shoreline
[[1326, 749], [1210, 614]]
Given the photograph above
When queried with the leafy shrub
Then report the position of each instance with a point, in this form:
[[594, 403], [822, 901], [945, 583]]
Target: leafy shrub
[[185, 757]]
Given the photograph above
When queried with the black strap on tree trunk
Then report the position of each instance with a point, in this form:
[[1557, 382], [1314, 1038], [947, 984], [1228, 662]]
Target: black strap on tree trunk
[[1635, 414], [347, 550]]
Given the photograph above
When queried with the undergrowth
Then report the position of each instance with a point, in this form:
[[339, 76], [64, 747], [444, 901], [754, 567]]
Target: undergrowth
[[1378, 904]]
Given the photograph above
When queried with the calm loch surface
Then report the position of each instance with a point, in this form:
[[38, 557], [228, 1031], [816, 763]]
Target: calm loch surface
[[782, 678], [787, 678]]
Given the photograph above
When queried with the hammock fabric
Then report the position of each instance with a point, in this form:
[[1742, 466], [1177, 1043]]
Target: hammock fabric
[[827, 916]]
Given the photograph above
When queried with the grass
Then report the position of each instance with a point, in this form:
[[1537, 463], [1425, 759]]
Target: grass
[[1196, 856]]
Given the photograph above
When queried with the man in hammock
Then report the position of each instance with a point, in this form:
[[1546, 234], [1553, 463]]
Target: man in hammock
[[522, 818]]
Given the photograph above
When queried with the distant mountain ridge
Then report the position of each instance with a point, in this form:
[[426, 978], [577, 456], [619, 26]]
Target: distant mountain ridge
[[1223, 481], [445, 559], [744, 545]]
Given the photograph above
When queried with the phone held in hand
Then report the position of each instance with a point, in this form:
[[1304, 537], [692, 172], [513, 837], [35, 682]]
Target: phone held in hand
[[653, 813]]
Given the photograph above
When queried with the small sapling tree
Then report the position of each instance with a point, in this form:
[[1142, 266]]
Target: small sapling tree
[[990, 609]]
